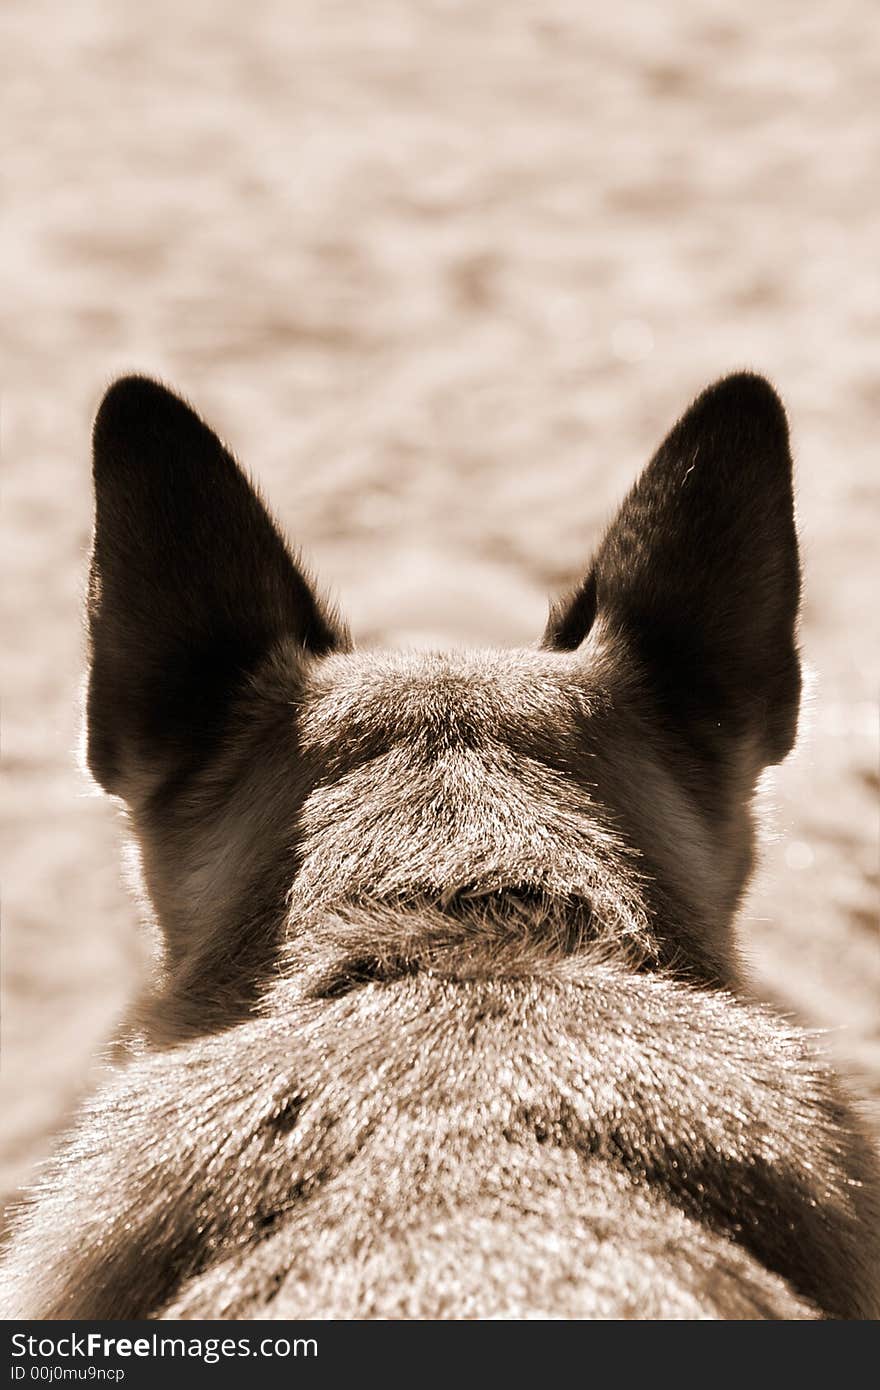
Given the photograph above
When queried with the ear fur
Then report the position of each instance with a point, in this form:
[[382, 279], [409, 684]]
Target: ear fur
[[191, 584], [698, 575]]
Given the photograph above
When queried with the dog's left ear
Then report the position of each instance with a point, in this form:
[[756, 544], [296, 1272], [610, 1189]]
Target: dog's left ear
[[191, 586], [697, 580]]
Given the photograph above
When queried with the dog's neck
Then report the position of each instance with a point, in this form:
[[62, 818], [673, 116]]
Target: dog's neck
[[518, 931]]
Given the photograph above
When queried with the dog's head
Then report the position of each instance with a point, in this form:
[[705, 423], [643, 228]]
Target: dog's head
[[275, 776]]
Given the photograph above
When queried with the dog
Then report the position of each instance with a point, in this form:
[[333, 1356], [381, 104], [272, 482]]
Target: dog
[[447, 1019]]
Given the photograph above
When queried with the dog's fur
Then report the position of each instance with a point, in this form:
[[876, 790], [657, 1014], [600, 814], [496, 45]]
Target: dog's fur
[[446, 1022]]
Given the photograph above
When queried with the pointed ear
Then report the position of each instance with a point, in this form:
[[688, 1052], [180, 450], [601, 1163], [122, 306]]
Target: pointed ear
[[698, 575], [190, 586]]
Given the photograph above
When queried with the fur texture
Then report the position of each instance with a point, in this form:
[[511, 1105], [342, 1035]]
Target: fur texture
[[446, 1021]]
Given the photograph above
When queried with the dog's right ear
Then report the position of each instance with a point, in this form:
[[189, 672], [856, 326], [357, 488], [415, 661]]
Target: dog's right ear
[[191, 585], [698, 580]]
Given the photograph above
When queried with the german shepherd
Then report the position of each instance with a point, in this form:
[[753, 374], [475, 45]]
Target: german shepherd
[[446, 1021]]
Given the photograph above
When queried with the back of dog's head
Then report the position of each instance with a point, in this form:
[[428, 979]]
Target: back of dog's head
[[271, 771], [469, 913]]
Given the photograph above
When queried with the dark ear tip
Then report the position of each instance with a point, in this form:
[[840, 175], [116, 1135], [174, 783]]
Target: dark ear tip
[[745, 401], [133, 407]]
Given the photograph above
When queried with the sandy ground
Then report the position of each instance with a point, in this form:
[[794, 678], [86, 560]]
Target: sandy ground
[[441, 274]]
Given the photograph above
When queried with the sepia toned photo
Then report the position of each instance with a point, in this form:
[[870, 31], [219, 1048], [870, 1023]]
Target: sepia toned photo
[[440, 724]]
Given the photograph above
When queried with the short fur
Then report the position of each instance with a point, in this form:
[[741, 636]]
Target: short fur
[[446, 1021]]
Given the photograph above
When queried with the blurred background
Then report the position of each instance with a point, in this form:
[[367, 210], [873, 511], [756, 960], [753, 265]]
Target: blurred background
[[441, 274]]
